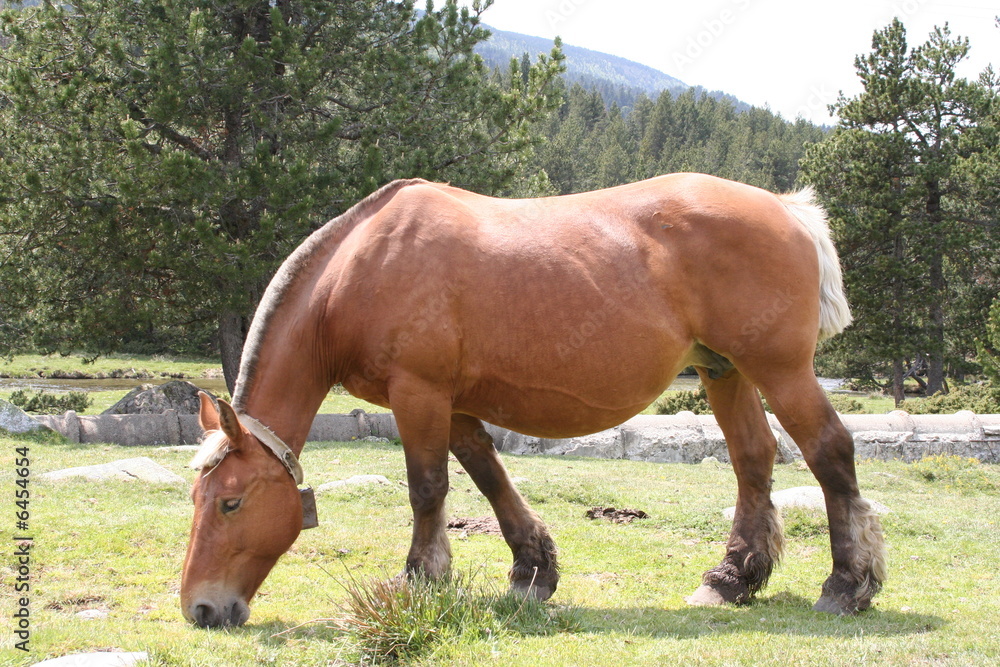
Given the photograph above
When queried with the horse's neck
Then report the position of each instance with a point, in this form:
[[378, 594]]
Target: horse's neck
[[284, 384], [287, 390]]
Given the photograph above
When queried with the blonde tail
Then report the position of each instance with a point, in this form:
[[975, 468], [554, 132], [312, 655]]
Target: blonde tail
[[834, 312]]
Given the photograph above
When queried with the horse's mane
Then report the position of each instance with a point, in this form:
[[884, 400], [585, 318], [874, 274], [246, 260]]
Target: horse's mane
[[213, 449], [291, 268]]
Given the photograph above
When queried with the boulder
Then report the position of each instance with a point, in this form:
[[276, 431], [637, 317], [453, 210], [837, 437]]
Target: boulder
[[356, 480], [148, 399], [804, 497], [15, 420], [140, 468]]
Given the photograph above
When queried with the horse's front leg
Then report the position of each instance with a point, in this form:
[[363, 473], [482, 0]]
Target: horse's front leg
[[535, 571], [423, 418]]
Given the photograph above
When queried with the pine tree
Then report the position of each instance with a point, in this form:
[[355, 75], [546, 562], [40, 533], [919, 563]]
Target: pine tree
[[989, 348], [159, 158], [888, 176]]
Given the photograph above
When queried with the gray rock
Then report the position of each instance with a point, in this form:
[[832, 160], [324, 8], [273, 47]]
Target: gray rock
[[681, 438], [101, 659], [91, 614], [356, 480], [138, 469], [805, 497], [148, 399], [15, 420], [179, 448]]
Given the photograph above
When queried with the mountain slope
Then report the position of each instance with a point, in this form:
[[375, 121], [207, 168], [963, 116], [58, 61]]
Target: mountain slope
[[618, 80], [582, 65]]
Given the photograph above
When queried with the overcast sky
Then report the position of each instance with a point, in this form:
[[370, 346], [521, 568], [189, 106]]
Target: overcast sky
[[794, 56]]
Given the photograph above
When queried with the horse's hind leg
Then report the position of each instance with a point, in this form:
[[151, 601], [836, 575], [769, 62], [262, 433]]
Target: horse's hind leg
[[755, 541], [535, 569], [859, 565]]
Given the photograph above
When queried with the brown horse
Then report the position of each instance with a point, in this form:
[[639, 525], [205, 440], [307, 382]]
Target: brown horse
[[554, 317]]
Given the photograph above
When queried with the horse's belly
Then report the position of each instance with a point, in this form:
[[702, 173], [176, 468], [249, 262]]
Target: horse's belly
[[565, 423], [554, 414], [569, 401]]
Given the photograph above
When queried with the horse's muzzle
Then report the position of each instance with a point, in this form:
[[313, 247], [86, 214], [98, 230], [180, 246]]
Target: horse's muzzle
[[206, 614]]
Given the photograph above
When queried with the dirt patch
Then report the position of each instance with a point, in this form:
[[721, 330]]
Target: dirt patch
[[616, 516], [481, 525], [78, 601]]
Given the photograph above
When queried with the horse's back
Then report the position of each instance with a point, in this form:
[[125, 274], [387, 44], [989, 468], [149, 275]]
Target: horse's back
[[694, 244]]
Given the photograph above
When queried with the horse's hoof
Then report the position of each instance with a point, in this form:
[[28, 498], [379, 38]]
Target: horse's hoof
[[829, 605], [526, 588], [705, 596]]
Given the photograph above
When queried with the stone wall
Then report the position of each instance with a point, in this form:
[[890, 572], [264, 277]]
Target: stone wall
[[681, 438]]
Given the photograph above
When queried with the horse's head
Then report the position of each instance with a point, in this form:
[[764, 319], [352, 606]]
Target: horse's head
[[247, 512]]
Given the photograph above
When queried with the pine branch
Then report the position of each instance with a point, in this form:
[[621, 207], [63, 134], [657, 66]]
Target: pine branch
[[171, 135]]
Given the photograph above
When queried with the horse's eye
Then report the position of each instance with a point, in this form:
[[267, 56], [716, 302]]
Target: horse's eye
[[230, 505]]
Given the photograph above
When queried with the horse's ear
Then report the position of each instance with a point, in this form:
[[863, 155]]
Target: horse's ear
[[208, 416], [230, 424]]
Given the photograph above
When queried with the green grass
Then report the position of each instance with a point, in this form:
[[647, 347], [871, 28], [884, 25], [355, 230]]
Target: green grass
[[119, 546], [872, 404], [157, 366]]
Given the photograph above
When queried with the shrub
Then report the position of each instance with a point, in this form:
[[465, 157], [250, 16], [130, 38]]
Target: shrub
[[846, 405], [51, 404], [696, 401], [979, 398]]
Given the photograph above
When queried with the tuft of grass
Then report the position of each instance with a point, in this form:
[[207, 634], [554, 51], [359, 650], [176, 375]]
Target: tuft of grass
[[398, 619]]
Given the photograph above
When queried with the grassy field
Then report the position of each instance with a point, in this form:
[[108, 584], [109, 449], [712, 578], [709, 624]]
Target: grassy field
[[155, 366], [118, 547]]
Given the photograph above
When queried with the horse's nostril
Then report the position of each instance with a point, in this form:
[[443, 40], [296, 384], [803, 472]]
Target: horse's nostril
[[205, 615], [238, 614]]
